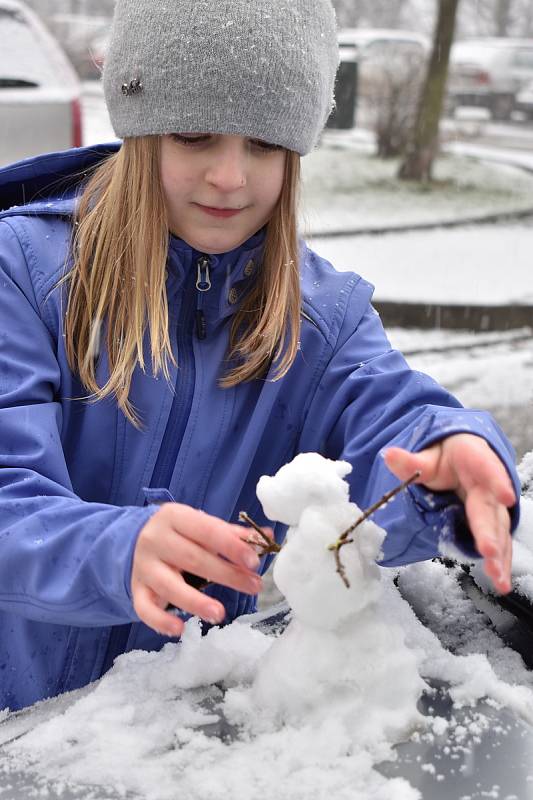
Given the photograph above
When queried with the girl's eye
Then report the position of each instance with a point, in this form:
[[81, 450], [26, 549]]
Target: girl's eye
[[265, 146], [189, 140]]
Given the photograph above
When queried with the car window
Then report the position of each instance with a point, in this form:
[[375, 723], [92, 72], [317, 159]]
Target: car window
[[523, 58], [23, 58]]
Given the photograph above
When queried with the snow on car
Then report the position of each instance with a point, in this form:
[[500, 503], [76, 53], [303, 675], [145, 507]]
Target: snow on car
[[39, 92], [313, 708]]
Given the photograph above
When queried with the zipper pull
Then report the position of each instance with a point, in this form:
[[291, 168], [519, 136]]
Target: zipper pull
[[203, 284], [203, 280]]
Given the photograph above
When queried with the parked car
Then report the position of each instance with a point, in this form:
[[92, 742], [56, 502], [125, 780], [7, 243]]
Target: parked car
[[390, 68], [489, 73], [524, 101], [40, 108], [378, 50]]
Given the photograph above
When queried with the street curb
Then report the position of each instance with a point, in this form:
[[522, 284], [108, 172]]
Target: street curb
[[487, 219], [481, 318]]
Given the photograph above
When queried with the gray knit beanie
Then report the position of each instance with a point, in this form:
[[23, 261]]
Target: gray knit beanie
[[263, 69]]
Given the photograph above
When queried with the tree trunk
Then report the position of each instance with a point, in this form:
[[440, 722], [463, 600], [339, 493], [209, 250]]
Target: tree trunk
[[424, 141], [503, 17]]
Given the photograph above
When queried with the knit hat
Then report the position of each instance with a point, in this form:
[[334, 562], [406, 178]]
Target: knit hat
[[263, 69]]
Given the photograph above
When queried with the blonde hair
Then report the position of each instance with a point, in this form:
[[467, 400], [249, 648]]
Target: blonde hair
[[117, 280]]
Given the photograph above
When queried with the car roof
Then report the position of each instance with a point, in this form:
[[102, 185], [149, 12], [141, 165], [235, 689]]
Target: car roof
[[361, 36], [496, 41], [30, 52]]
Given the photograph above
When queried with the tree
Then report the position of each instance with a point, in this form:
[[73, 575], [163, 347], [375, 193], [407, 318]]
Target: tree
[[423, 145], [502, 17]]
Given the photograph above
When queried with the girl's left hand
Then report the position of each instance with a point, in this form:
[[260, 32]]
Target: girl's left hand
[[465, 464]]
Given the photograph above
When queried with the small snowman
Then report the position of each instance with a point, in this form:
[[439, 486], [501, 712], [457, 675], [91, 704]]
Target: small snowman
[[339, 651]]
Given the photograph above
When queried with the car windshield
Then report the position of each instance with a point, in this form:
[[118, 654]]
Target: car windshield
[[22, 56]]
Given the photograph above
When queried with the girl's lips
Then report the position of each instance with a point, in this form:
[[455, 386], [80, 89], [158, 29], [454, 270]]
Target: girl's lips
[[220, 212]]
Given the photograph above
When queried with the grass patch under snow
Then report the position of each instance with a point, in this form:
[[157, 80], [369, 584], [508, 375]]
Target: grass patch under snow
[[345, 189]]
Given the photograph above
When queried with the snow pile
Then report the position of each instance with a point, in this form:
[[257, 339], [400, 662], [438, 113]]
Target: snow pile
[[304, 716]]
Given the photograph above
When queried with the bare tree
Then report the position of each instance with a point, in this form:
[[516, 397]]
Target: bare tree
[[395, 99], [424, 141], [502, 17]]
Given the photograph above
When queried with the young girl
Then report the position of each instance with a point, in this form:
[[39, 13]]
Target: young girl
[[166, 339]]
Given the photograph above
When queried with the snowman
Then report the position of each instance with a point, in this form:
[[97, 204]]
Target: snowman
[[339, 651]]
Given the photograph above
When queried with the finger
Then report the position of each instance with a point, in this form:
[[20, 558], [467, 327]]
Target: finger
[[168, 583], [186, 556], [152, 615], [404, 464], [212, 534], [484, 521], [507, 557], [490, 526]]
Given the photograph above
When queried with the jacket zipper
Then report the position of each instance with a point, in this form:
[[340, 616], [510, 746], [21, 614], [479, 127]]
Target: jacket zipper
[[203, 284], [192, 320], [182, 401]]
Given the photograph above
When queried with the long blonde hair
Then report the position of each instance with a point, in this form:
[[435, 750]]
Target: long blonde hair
[[116, 279]]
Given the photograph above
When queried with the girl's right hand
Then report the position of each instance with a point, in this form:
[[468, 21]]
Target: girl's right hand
[[178, 539]]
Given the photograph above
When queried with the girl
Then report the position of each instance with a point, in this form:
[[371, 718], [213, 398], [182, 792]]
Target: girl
[[166, 339]]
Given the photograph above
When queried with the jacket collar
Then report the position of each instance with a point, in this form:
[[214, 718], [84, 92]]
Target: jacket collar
[[230, 272]]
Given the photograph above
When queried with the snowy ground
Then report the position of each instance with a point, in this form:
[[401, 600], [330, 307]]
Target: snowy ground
[[348, 190], [483, 265]]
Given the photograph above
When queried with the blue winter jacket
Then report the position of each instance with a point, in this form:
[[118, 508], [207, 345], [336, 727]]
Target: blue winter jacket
[[78, 482]]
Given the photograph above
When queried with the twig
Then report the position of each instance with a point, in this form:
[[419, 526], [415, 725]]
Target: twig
[[267, 545], [343, 539]]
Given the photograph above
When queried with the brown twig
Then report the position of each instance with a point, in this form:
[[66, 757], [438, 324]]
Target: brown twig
[[266, 544], [343, 539]]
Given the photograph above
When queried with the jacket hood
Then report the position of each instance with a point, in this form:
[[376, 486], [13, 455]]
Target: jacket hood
[[47, 184]]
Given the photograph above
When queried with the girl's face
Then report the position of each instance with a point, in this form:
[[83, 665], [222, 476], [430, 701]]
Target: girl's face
[[219, 190]]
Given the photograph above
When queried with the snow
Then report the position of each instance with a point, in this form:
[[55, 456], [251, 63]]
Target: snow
[[499, 375], [305, 714], [478, 266], [346, 188]]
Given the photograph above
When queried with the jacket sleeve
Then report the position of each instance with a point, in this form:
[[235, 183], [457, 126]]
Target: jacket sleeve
[[62, 560], [368, 399]]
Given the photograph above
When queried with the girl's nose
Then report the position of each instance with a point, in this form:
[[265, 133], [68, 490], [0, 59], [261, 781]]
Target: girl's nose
[[228, 168]]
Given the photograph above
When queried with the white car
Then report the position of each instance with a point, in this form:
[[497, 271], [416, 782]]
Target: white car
[[40, 108], [489, 73]]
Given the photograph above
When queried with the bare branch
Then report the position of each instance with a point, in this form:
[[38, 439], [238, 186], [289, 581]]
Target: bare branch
[[343, 539]]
